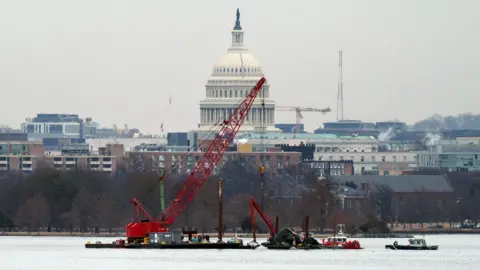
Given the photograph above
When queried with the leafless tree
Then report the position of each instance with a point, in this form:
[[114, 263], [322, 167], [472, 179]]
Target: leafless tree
[[34, 213], [109, 214], [318, 203], [205, 206], [85, 213], [236, 209]]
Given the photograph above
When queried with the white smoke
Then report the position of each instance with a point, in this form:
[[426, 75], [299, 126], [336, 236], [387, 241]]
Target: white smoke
[[387, 135], [431, 139], [241, 141], [388, 147]]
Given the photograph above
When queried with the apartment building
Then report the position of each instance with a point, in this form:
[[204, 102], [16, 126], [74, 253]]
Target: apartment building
[[23, 163], [25, 157], [82, 162]]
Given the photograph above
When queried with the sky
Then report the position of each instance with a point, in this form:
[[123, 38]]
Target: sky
[[119, 61]]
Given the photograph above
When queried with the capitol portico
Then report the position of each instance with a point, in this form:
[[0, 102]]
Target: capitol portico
[[232, 78]]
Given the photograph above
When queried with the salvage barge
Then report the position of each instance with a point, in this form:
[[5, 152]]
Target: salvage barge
[[173, 246], [173, 240]]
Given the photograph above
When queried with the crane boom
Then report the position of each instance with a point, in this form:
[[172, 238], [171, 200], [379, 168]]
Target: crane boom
[[212, 156], [254, 206]]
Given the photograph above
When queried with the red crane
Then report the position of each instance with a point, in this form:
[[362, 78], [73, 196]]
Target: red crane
[[254, 206], [138, 229]]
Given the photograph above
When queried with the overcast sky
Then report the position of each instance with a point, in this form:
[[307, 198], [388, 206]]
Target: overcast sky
[[117, 61]]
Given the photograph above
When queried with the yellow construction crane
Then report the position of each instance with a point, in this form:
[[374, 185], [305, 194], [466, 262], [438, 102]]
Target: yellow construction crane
[[298, 111]]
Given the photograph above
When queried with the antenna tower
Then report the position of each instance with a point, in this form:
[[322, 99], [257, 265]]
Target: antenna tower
[[340, 88]]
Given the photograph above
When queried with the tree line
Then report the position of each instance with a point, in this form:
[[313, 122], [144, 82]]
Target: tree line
[[81, 201]]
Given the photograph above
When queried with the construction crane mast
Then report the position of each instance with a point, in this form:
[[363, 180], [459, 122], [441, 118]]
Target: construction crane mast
[[298, 111], [203, 169]]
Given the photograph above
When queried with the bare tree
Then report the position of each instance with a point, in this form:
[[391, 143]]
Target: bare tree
[[205, 206], [84, 212], [318, 203], [109, 214], [236, 209], [34, 213], [382, 202]]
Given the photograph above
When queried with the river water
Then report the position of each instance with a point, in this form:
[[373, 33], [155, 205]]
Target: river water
[[49, 253]]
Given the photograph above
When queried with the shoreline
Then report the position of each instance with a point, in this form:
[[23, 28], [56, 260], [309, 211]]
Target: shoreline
[[396, 233]]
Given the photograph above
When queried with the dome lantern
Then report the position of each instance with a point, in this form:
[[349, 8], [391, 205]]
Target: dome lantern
[[237, 33]]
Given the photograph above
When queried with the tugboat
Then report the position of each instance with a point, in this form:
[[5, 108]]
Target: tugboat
[[340, 241], [414, 244]]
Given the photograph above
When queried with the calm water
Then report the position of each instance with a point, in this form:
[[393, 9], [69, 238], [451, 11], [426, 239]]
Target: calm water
[[48, 253]]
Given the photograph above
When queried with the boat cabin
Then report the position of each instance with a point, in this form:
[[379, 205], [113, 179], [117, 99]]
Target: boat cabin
[[417, 242], [340, 237], [337, 239]]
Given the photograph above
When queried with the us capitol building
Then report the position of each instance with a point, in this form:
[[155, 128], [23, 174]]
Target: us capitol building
[[232, 78]]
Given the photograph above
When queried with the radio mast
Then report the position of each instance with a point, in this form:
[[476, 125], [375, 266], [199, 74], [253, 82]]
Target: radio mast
[[340, 88]]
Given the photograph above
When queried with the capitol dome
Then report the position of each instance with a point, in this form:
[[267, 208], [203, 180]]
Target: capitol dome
[[237, 63], [231, 79]]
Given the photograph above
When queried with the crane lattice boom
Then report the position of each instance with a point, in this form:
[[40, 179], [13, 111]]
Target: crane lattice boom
[[212, 156]]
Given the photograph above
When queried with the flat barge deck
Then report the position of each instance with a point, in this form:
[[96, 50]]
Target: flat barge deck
[[173, 246]]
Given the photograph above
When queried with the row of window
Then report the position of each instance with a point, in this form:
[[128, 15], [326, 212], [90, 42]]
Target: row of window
[[29, 167], [337, 149], [373, 158], [42, 128], [15, 149], [258, 70], [23, 159], [176, 167], [232, 82], [248, 158], [91, 159], [230, 93], [91, 166]]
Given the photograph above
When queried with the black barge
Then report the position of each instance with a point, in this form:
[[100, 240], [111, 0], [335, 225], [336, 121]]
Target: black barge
[[173, 246], [174, 240]]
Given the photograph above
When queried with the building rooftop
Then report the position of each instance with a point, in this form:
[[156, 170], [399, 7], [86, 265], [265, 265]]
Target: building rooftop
[[400, 183], [301, 136]]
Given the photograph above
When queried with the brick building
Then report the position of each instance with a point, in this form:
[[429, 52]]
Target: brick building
[[426, 193], [185, 161], [25, 157]]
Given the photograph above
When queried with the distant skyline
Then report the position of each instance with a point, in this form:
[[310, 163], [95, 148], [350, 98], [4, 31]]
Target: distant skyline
[[119, 61]]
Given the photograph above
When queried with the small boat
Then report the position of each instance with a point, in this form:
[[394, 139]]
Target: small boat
[[340, 241], [414, 244]]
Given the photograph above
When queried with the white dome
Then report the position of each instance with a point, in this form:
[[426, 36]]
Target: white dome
[[237, 63], [238, 59]]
